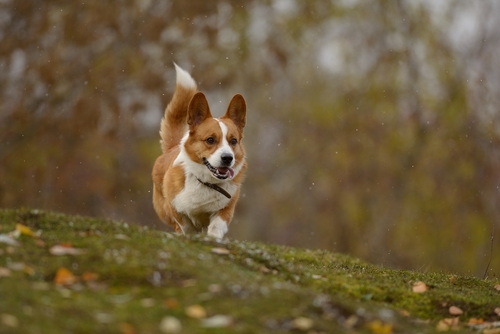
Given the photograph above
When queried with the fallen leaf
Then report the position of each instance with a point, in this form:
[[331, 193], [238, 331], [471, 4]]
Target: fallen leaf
[[497, 310], [170, 325], [64, 277], [455, 310], [378, 327], [16, 266], [196, 312], [475, 321], [220, 251], [5, 239], [497, 287], [447, 324], [126, 328], [40, 243], [5, 272], [171, 303], [29, 271], [442, 326], [350, 322], [265, 270], [25, 230], [88, 276], [59, 250], [302, 323], [404, 313], [9, 320], [491, 331], [217, 321], [419, 287]]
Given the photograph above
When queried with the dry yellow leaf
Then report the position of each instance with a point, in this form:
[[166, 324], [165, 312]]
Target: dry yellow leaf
[[378, 327], [25, 230], [196, 312], [475, 321], [64, 277]]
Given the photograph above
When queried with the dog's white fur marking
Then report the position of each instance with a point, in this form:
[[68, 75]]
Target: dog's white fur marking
[[184, 78], [217, 228], [215, 158]]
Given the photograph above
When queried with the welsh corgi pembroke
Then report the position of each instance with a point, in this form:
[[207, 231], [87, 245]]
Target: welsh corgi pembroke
[[197, 179]]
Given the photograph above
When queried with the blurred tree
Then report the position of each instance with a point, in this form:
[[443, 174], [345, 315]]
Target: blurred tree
[[373, 126]]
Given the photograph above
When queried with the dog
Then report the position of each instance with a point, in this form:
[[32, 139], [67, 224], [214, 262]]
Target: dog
[[197, 179]]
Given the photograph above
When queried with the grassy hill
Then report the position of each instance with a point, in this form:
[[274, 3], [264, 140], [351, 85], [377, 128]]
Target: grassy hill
[[72, 274]]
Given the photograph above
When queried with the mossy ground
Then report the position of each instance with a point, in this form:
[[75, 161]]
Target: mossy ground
[[140, 276]]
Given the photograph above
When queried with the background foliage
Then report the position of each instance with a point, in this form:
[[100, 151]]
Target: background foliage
[[373, 126]]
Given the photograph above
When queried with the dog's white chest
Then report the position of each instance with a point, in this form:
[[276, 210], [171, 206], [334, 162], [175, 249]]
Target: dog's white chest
[[197, 198]]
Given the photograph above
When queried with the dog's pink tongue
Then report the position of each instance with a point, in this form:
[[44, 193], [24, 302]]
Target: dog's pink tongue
[[225, 170]]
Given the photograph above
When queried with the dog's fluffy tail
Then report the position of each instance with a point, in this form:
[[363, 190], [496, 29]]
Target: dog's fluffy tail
[[174, 123]]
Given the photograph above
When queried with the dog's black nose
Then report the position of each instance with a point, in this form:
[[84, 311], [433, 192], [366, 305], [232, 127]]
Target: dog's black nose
[[226, 158]]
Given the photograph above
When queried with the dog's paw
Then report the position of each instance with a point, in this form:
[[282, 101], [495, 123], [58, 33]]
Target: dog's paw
[[217, 228]]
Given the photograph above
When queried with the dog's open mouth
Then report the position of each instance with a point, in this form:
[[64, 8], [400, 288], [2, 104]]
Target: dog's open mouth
[[220, 173]]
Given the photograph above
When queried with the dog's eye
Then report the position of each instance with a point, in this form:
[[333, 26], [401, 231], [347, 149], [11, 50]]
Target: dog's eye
[[233, 141], [210, 140]]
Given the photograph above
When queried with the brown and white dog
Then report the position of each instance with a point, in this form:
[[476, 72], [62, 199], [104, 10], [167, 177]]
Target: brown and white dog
[[197, 179]]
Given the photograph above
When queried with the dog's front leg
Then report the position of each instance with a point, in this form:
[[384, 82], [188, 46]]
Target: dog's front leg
[[217, 227], [219, 222]]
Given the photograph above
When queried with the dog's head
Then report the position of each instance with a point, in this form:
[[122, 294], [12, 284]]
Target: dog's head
[[216, 143]]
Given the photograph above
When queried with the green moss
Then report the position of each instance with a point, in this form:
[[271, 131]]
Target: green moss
[[144, 275]]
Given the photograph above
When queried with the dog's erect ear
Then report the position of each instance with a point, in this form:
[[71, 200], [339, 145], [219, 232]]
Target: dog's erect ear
[[237, 111], [198, 110]]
